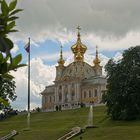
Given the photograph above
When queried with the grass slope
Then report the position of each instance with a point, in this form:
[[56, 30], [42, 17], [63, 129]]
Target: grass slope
[[52, 125]]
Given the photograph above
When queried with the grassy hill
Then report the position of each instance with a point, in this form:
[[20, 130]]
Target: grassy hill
[[52, 125]]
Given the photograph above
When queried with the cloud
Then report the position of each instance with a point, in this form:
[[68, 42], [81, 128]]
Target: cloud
[[54, 56], [113, 25], [41, 76], [15, 49], [99, 16], [118, 56], [112, 43]]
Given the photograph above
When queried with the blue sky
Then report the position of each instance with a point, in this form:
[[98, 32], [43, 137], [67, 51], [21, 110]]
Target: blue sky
[[112, 25], [50, 47]]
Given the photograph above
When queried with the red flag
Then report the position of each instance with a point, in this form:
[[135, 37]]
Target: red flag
[[27, 47]]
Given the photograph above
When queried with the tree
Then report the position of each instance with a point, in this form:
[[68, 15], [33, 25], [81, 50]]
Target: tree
[[7, 23], [7, 92], [123, 86]]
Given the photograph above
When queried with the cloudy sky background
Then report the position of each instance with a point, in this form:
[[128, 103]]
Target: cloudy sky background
[[112, 25]]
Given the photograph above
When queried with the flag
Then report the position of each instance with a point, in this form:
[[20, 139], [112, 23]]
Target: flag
[[27, 47]]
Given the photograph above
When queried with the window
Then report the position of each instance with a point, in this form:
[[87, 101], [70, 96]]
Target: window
[[60, 96], [90, 93], [45, 99], [60, 87], [84, 94], [66, 97], [95, 92], [50, 99], [72, 95]]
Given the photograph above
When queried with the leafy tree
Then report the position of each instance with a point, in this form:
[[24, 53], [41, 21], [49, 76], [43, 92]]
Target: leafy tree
[[123, 88], [7, 23], [7, 92]]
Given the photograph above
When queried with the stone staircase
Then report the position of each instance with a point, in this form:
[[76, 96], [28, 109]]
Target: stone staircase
[[74, 131], [10, 135]]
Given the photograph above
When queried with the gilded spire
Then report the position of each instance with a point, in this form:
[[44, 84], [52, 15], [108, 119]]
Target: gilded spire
[[78, 48], [61, 60], [96, 60], [78, 34]]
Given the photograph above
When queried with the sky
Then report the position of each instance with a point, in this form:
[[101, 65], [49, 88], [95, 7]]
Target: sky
[[112, 25]]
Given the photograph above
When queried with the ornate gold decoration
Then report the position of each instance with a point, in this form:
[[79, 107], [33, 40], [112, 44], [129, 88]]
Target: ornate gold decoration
[[78, 48], [96, 61], [61, 61]]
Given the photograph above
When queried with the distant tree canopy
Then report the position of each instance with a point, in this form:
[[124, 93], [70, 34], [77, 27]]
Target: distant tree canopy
[[7, 92], [123, 86]]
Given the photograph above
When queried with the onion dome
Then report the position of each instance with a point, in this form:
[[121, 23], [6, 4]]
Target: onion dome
[[79, 57], [78, 48], [61, 61], [96, 61]]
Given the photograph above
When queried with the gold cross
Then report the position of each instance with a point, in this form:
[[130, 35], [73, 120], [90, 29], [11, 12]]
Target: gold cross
[[78, 28], [96, 47]]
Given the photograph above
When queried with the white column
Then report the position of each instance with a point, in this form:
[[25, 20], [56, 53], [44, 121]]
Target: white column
[[56, 94], [78, 92], [98, 93], [43, 101], [69, 93], [63, 93], [75, 91]]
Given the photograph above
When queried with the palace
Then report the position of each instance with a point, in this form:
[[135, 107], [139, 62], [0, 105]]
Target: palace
[[75, 84]]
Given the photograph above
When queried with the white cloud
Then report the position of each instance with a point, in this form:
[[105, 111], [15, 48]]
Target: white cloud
[[54, 56], [111, 43], [112, 25], [41, 76], [15, 49], [118, 56], [115, 17]]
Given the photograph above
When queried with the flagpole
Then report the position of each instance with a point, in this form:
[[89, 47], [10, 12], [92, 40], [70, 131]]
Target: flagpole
[[28, 116]]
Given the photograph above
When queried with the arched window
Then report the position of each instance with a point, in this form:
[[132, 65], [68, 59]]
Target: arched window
[[60, 87], [66, 93], [60, 96], [85, 94], [50, 99], [95, 92], [66, 97], [72, 95], [90, 93], [45, 98]]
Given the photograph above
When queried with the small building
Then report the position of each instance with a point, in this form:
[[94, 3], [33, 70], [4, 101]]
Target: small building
[[77, 83]]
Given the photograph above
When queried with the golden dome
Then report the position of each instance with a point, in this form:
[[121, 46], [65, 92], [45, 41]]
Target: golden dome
[[79, 57], [61, 61], [96, 61], [78, 47]]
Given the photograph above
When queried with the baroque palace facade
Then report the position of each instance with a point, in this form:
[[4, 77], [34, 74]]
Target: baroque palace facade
[[75, 84]]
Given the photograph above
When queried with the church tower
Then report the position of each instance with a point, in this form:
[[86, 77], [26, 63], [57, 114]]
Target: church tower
[[60, 66], [76, 83], [78, 48], [97, 68]]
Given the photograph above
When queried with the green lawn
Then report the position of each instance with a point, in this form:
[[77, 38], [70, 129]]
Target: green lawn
[[52, 125]]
